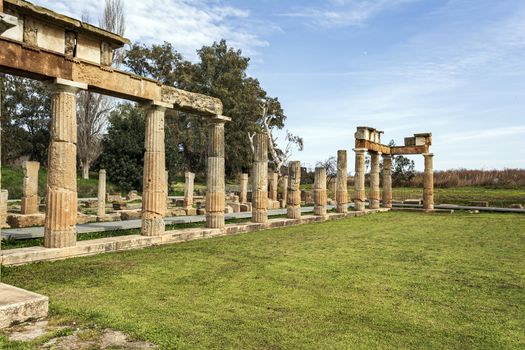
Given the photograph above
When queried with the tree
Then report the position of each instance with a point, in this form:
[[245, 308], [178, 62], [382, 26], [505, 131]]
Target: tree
[[26, 121], [123, 156], [93, 109], [403, 169]]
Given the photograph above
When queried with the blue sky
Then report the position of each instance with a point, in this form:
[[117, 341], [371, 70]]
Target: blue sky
[[455, 68]]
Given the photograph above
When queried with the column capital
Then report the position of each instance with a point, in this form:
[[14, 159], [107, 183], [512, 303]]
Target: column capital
[[386, 156], [64, 85], [360, 150], [428, 154], [219, 119], [157, 105]]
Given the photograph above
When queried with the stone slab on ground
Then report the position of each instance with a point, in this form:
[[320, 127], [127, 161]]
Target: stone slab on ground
[[19, 305], [25, 220]]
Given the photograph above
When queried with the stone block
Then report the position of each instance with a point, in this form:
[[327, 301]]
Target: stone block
[[84, 219], [516, 206], [228, 210], [89, 204], [245, 207], [177, 212], [120, 205], [413, 201], [109, 217], [130, 214], [484, 204], [113, 198], [191, 211], [201, 211], [19, 305], [236, 206], [21, 220], [133, 195]]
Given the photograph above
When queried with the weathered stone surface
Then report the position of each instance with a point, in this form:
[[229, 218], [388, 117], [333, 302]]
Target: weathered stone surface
[[191, 102], [260, 179], [284, 186], [3, 208], [374, 181], [293, 209], [19, 305], [188, 189], [101, 203], [387, 181], [245, 207], [130, 214], [113, 198], [190, 211], [428, 182], [84, 218], [215, 186], [25, 220], [273, 183], [119, 205], [61, 208], [341, 195], [320, 191], [359, 179], [133, 195], [154, 191], [30, 199], [243, 197], [236, 206]]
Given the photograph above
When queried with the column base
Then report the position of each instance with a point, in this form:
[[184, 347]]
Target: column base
[[153, 227], [374, 204], [342, 208], [359, 206], [260, 216], [320, 211], [293, 212], [215, 220], [60, 239]]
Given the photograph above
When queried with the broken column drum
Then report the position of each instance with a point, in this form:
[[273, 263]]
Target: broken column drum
[[215, 193], [189, 180], [101, 205], [273, 183], [341, 196], [61, 204], [243, 190], [154, 187], [320, 192], [294, 191], [260, 180], [30, 199], [428, 182], [359, 179], [387, 181], [374, 195]]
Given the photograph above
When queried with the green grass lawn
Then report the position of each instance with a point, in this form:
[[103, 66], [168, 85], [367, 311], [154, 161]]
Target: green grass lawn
[[393, 280]]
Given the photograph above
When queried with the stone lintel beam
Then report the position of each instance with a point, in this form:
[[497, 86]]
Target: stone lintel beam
[[40, 64], [372, 146], [396, 150]]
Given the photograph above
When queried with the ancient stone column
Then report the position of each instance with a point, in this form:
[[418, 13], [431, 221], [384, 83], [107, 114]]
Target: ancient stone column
[[341, 195], [101, 206], [428, 182], [167, 185], [61, 203], [215, 193], [273, 183], [320, 191], [294, 190], [387, 181], [188, 189], [30, 199], [154, 181], [243, 198], [284, 186], [260, 180], [359, 180], [375, 194]]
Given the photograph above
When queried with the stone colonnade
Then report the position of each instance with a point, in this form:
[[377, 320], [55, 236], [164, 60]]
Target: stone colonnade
[[30, 199]]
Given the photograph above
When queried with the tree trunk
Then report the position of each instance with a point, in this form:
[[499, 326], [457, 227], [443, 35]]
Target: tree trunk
[[85, 170]]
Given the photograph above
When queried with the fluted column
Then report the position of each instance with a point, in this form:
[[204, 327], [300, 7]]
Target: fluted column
[[375, 194], [284, 186], [320, 191], [243, 184], [215, 188], [273, 183], [294, 190], [428, 182], [387, 181], [189, 181], [61, 203], [30, 199], [260, 179], [359, 180], [101, 205], [154, 181], [341, 195]]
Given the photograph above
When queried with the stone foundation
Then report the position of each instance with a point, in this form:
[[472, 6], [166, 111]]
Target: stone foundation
[[19, 305]]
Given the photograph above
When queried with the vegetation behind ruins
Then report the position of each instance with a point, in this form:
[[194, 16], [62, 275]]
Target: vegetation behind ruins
[[394, 280]]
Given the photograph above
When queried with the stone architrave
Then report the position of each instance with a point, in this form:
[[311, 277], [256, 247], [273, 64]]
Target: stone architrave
[[320, 191], [215, 192], [154, 188], [359, 179], [101, 205], [260, 179], [284, 186], [61, 204], [243, 198], [428, 182], [30, 199], [387, 181], [293, 209], [341, 195], [374, 196], [189, 181], [273, 183]]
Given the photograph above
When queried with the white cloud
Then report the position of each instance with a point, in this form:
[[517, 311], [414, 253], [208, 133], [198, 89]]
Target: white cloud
[[340, 13], [187, 24]]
